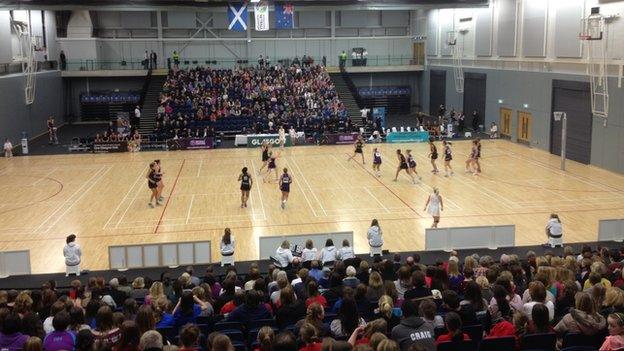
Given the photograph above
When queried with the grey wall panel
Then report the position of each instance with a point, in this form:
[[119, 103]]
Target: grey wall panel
[[437, 90], [432, 33], [483, 32], [534, 28], [6, 50], [446, 25], [313, 19], [17, 117], [355, 19], [567, 28], [395, 18], [108, 19], [181, 19], [506, 33], [136, 19]]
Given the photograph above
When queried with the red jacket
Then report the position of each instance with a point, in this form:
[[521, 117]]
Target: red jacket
[[449, 337]]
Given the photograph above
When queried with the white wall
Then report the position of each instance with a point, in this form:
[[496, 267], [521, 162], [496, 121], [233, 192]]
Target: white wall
[[6, 48]]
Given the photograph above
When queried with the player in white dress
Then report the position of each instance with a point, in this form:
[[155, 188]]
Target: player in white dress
[[282, 136], [435, 204]]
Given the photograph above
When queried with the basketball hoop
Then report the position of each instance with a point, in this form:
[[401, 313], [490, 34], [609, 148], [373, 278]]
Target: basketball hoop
[[558, 115]]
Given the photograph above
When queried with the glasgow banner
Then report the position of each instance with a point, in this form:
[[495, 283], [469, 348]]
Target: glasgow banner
[[273, 139], [261, 15]]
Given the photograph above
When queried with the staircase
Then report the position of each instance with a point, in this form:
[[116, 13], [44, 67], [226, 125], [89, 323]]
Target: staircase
[[150, 104], [346, 96]]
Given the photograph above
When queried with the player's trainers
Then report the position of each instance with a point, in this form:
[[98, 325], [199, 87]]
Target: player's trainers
[[151, 205], [161, 198], [283, 205], [158, 203]]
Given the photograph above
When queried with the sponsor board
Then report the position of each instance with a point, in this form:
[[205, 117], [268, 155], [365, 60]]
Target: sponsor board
[[190, 144], [110, 146], [257, 140], [340, 138]]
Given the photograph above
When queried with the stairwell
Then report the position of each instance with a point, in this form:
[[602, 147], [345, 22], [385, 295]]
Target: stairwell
[[346, 96], [150, 104]]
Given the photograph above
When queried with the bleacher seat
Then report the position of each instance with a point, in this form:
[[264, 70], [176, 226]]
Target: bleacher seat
[[227, 326], [545, 341], [579, 348], [234, 335], [467, 345], [498, 344], [474, 331]]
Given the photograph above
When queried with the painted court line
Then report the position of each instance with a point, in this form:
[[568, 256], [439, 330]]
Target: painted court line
[[304, 196], [143, 172], [253, 167], [377, 200], [309, 187], [169, 197]]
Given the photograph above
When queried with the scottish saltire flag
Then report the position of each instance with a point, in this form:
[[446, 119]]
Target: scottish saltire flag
[[284, 14], [238, 16], [261, 14]]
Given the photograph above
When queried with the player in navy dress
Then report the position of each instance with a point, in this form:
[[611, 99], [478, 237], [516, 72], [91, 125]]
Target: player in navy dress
[[159, 175], [403, 166], [245, 187], [478, 156], [359, 148], [152, 183], [265, 155], [411, 164], [448, 156], [272, 166], [433, 155], [284, 185], [376, 162]]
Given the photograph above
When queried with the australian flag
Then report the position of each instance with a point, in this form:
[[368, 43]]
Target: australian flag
[[238, 17], [284, 16]]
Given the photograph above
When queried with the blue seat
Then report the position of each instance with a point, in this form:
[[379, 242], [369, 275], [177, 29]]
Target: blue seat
[[257, 324], [226, 326], [234, 335], [545, 341], [475, 332], [498, 344]]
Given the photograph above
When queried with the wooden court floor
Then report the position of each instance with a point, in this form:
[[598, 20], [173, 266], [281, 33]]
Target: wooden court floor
[[103, 199]]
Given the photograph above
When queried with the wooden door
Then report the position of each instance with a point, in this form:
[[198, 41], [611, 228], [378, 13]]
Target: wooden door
[[419, 54], [524, 127], [505, 121]]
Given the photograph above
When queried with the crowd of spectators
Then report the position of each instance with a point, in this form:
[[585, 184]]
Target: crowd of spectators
[[352, 304], [200, 101]]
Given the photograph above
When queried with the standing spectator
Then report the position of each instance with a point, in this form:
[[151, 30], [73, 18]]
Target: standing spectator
[[72, 254], [374, 236], [413, 329], [63, 60], [8, 148], [154, 60], [476, 120], [342, 58], [146, 60], [176, 60], [554, 231], [60, 338], [137, 115]]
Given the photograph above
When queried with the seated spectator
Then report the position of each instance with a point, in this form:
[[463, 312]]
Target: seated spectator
[[77, 320], [221, 343], [451, 303], [60, 338], [188, 308], [367, 335], [309, 338], [315, 271], [155, 292], [282, 282], [253, 309], [486, 290], [350, 280], [497, 313], [328, 254], [283, 255], [284, 341], [189, 338], [130, 336], [364, 271], [404, 281], [348, 319], [514, 299], [254, 274], [615, 340], [455, 278], [56, 307], [583, 319], [10, 336], [454, 333], [375, 287], [105, 332], [291, 309], [413, 329], [599, 271], [314, 316], [387, 312], [345, 252], [539, 322], [309, 252], [85, 341], [427, 310], [472, 296], [538, 296], [266, 338], [163, 313], [613, 301], [138, 288], [151, 340], [419, 287], [314, 296]]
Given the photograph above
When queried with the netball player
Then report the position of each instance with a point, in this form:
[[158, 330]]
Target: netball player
[[359, 148], [435, 204], [433, 155], [152, 184], [265, 155], [272, 166], [52, 131], [478, 156], [402, 166], [284, 185], [376, 162], [245, 187], [159, 174], [411, 164], [282, 136], [448, 156], [470, 162]]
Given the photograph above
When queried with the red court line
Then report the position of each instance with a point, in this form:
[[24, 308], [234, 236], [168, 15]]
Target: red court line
[[387, 188], [169, 197]]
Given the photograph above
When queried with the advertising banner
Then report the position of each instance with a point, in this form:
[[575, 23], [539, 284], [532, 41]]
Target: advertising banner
[[407, 137], [273, 139], [110, 146], [339, 138], [190, 144]]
